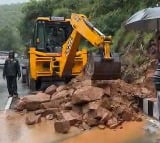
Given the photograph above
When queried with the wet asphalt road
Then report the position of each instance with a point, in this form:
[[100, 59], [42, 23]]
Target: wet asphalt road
[[22, 90]]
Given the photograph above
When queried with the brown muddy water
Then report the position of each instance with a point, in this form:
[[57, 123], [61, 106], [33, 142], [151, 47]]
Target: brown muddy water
[[130, 131], [14, 130]]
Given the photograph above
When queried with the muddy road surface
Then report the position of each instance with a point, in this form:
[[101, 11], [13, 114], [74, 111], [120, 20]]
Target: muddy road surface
[[14, 130], [22, 90]]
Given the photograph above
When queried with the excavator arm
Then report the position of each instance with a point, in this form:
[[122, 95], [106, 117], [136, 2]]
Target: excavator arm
[[98, 67], [81, 24]]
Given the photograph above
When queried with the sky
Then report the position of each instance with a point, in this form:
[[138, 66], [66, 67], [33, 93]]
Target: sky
[[12, 1]]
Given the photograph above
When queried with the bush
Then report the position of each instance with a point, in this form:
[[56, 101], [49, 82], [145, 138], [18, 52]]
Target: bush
[[64, 12], [139, 59]]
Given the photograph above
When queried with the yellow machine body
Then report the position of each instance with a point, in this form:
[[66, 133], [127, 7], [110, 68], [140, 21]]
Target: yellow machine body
[[43, 64], [55, 53]]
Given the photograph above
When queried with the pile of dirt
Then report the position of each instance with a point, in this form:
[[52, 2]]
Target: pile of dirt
[[84, 104]]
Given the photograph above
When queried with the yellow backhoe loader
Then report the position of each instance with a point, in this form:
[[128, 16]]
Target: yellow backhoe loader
[[55, 53]]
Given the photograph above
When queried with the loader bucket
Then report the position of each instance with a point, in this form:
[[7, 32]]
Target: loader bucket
[[98, 68]]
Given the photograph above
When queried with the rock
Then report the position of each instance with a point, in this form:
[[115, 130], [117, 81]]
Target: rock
[[32, 102], [112, 123], [107, 102], [20, 104], [50, 104], [68, 106], [127, 115], [33, 105], [71, 91], [39, 97], [106, 116], [38, 118], [32, 119], [73, 81], [85, 126], [52, 111], [107, 90], [27, 104], [24, 112], [101, 126], [72, 117], [62, 126], [77, 109], [91, 121], [138, 118], [145, 91], [91, 106], [51, 89], [86, 83], [61, 87], [82, 83], [61, 94], [101, 112], [49, 117], [77, 85], [59, 116], [87, 94], [40, 111]]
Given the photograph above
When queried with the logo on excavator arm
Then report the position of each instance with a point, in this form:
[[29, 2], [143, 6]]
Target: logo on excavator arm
[[69, 45]]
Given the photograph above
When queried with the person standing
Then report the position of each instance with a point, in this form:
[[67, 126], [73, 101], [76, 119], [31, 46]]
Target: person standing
[[11, 71]]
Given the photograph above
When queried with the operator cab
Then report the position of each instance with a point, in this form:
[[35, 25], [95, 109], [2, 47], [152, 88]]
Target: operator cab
[[50, 35]]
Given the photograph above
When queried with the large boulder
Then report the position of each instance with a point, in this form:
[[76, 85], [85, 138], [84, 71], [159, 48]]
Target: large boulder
[[87, 94], [61, 94], [32, 102], [72, 117], [39, 97], [27, 104]]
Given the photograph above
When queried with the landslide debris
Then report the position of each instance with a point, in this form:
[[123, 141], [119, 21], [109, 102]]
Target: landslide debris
[[84, 104]]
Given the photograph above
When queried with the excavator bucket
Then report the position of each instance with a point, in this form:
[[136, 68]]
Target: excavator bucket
[[98, 68]]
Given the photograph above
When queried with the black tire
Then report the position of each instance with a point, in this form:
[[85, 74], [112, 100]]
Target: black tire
[[67, 79], [32, 84]]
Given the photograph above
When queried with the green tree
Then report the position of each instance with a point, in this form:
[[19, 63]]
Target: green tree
[[9, 39], [32, 10]]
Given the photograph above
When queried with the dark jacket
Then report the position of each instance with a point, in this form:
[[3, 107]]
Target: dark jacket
[[11, 68]]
